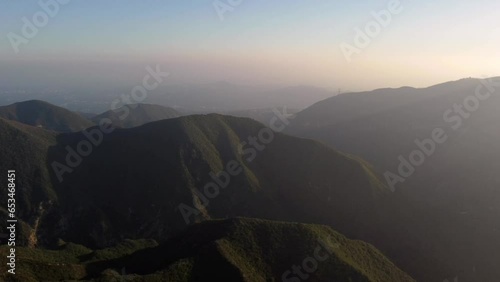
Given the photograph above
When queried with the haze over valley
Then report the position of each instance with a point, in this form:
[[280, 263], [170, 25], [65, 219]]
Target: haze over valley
[[250, 141]]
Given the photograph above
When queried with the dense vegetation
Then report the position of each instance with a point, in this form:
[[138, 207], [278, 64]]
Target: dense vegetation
[[239, 249], [134, 182]]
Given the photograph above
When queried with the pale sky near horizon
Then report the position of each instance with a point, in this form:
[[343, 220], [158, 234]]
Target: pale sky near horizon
[[258, 42]]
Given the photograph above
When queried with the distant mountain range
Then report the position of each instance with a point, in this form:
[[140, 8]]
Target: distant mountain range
[[137, 181], [397, 129], [136, 114], [185, 182], [383, 125], [160, 172], [263, 116], [185, 98], [224, 97], [45, 115]]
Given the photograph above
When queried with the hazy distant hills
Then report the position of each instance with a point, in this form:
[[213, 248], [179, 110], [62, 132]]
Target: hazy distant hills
[[134, 182], [193, 98], [263, 116], [152, 181], [240, 249], [353, 106], [88, 116], [136, 114], [45, 115], [384, 124], [459, 176], [224, 97]]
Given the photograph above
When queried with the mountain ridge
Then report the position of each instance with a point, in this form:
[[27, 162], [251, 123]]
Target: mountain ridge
[[45, 115], [235, 249], [134, 115]]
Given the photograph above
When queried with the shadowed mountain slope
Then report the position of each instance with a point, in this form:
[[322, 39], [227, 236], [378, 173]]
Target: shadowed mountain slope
[[458, 176], [154, 180], [45, 115], [156, 167]]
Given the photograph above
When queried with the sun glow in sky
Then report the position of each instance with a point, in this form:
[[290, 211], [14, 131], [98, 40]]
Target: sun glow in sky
[[256, 42]]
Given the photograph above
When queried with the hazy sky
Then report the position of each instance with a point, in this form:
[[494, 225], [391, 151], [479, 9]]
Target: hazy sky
[[259, 41]]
